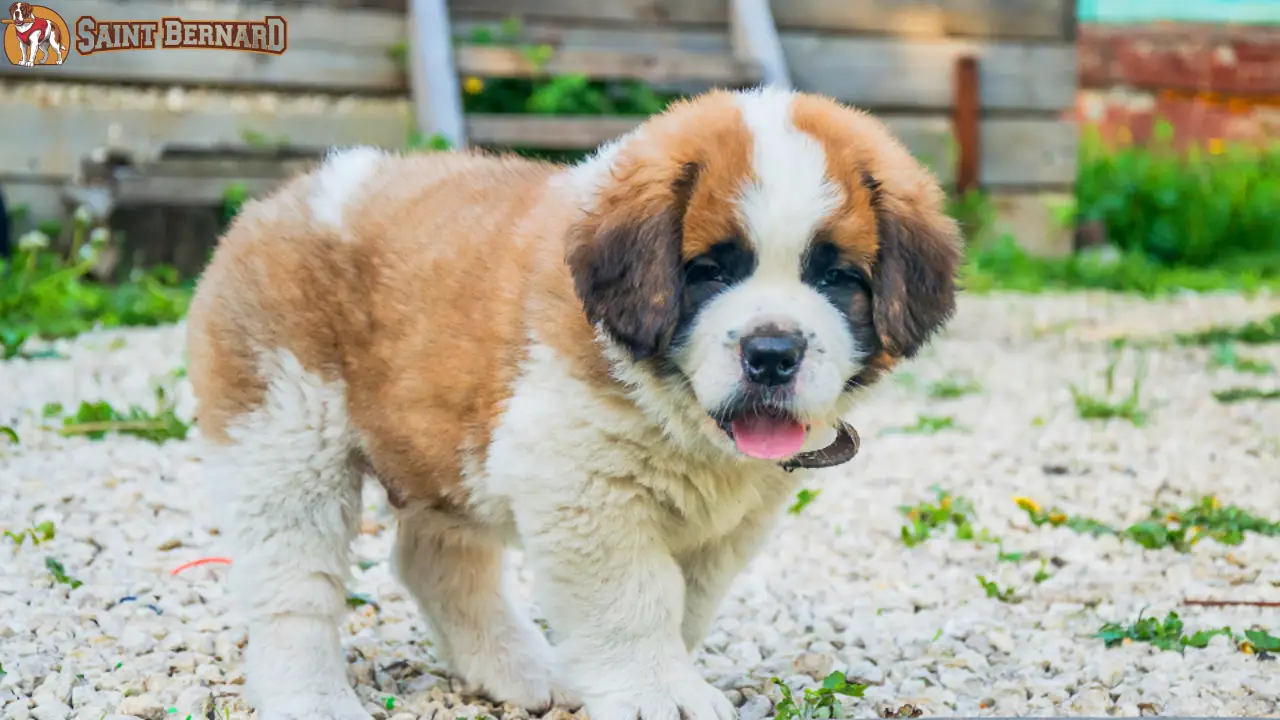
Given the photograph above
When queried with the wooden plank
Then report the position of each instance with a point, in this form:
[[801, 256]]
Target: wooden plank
[[356, 60], [880, 73], [1014, 152], [141, 187], [547, 131], [1040, 19], [63, 128], [872, 72], [437, 97], [1031, 218], [653, 67], [754, 37]]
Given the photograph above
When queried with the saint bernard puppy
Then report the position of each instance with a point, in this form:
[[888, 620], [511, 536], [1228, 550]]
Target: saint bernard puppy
[[622, 367]]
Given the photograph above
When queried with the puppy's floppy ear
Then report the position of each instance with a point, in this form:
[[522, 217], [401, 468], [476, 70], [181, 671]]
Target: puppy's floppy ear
[[914, 279], [627, 264]]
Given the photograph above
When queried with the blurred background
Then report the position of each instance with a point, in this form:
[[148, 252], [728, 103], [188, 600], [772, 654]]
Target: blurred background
[[1115, 144]]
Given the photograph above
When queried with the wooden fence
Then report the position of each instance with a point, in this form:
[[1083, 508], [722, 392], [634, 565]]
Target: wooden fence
[[340, 83]]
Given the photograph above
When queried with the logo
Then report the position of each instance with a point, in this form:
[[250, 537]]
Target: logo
[[270, 35], [35, 35]]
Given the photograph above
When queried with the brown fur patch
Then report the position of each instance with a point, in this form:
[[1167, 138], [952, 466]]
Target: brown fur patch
[[418, 306], [672, 198], [894, 222]]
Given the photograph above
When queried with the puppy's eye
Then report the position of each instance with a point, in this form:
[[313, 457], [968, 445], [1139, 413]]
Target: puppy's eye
[[704, 270], [844, 277]]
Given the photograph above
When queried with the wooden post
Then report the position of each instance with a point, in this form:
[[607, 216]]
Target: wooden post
[[437, 97], [966, 118], [754, 37]]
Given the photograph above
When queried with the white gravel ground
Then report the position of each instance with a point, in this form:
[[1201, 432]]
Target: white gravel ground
[[835, 589]]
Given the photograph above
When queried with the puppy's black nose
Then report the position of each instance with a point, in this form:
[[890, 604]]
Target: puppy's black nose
[[772, 357]]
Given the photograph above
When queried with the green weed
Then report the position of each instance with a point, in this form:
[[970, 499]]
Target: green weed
[[803, 498], [48, 294], [1106, 407], [1167, 634], [59, 573], [10, 433], [96, 419], [1164, 527], [1224, 356], [925, 518], [1184, 208], [993, 590], [816, 704], [949, 389], [1241, 394], [1254, 332], [43, 532], [925, 425]]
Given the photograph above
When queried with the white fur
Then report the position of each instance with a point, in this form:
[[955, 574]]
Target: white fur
[[455, 569], [291, 497], [341, 177], [632, 543]]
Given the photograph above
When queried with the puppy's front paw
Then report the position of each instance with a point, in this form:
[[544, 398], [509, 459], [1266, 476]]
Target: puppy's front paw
[[532, 690], [319, 707], [685, 698]]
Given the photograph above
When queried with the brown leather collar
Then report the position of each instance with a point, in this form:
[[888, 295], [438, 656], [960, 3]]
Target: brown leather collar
[[840, 451]]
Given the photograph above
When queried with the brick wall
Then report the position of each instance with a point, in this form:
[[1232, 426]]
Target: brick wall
[[1212, 82]]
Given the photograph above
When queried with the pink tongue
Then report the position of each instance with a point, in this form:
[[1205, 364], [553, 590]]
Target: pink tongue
[[768, 438]]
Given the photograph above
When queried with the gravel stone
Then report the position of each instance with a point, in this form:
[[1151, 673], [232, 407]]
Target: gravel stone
[[833, 589]]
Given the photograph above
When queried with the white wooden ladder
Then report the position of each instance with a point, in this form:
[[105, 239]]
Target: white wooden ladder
[[436, 66]]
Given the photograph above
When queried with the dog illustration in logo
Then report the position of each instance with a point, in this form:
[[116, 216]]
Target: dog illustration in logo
[[35, 33]]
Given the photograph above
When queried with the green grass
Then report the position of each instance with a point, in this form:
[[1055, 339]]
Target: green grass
[[1243, 394], [818, 703], [43, 532], [952, 388], [46, 293], [1185, 208], [1166, 527], [1225, 356], [1167, 634], [993, 590], [925, 425], [1254, 332], [59, 573], [1108, 406], [803, 499], [948, 511], [96, 420]]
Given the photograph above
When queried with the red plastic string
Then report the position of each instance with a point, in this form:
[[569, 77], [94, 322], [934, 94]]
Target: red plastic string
[[201, 561]]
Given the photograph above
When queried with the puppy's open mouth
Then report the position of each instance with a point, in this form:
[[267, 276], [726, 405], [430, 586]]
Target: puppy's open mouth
[[765, 433]]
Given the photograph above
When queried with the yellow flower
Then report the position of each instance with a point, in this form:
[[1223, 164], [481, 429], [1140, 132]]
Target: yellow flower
[[1246, 647], [1215, 146], [1027, 504], [1214, 502], [1057, 518], [946, 502], [473, 85]]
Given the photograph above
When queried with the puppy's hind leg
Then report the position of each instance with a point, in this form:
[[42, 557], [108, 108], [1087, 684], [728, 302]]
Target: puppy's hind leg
[[455, 570], [291, 497]]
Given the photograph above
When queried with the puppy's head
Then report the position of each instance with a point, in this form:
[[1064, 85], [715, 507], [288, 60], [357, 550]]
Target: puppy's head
[[753, 259], [21, 12]]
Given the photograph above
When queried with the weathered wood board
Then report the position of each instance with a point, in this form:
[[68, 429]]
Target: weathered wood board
[[1015, 152], [1038, 19], [876, 72]]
